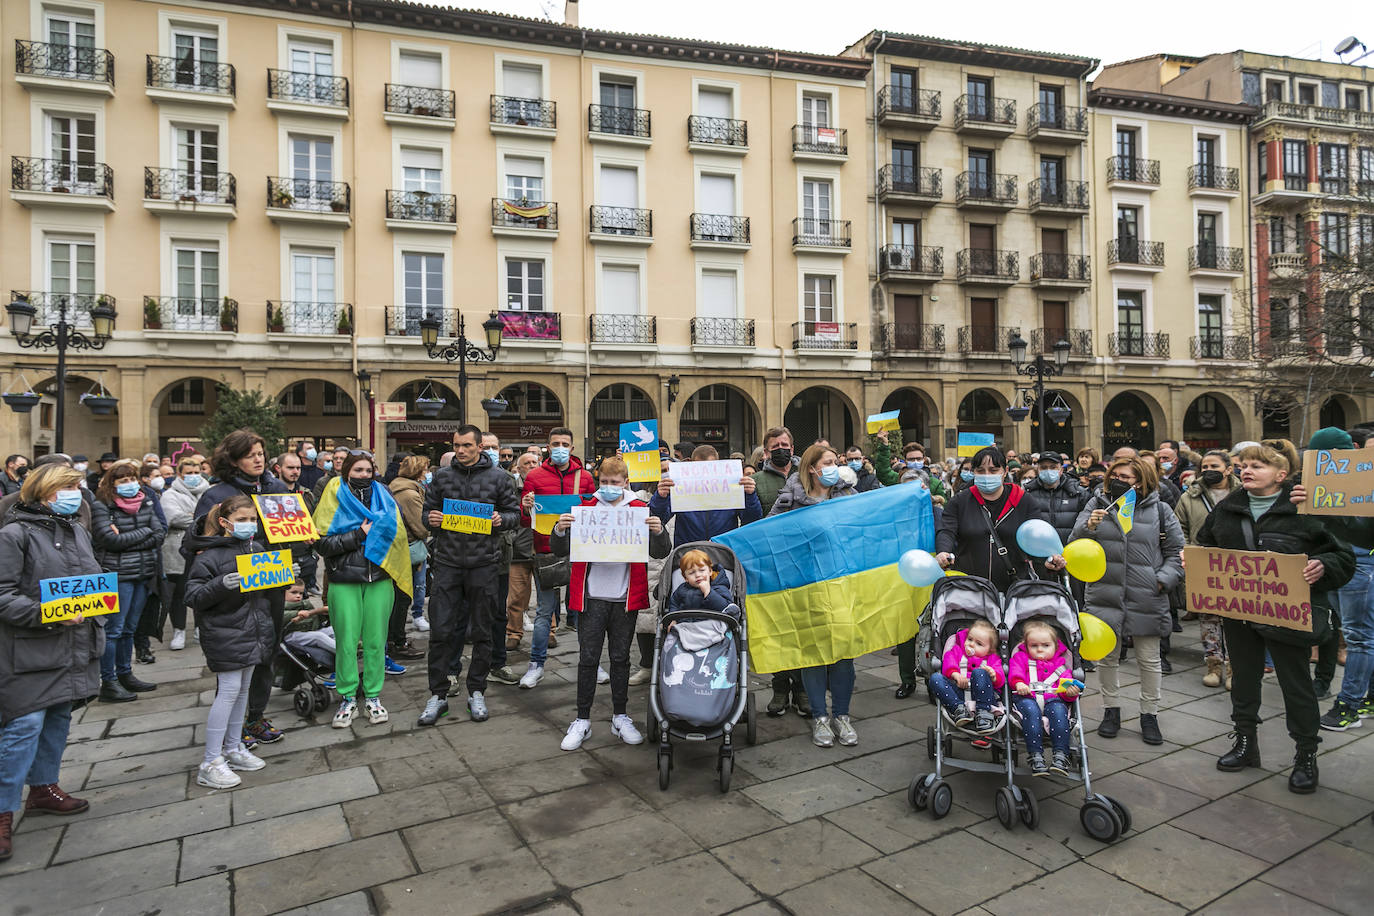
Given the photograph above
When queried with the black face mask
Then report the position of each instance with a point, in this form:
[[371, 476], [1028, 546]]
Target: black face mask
[[781, 457], [20, 472], [1118, 488], [1212, 479]]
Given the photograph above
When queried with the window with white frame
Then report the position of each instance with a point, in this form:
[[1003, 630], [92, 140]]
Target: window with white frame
[[422, 170], [71, 146], [815, 109], [424, 290], [618, 200], [525, 284], [816, 210], [197, 286], [312, 171], [196, 51], [71, 270], [522, 89], [719, 294], [818, 299], [619, 289], [1209, 314], [312, 275], [312, 70], [196, 154], [524, 179], [418, 68], [71, 35]]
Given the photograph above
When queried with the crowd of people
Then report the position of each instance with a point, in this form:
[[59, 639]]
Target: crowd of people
[[386, 567]]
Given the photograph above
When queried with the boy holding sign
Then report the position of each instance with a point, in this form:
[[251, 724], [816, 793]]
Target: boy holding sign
[[608, 593], [704, 524]]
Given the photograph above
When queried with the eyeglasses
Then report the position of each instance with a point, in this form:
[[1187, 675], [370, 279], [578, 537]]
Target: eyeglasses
[[360, 451]]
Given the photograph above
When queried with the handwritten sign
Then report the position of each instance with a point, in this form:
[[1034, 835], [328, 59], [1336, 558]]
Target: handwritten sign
[[391, 411], [1339, 482], [1257, 586], [547, 509], [970, 443], [285, 518], [610, 534], [467, 517], [639, 448], [881, 421], [90, 596], [269, 569], [703, 486]]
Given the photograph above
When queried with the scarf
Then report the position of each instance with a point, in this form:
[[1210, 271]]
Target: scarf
[[130, 504], [386, 544]]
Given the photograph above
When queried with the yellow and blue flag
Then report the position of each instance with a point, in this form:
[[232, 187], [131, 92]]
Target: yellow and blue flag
[[970, 443], [1125, 511], [386, 544], [822, 580]]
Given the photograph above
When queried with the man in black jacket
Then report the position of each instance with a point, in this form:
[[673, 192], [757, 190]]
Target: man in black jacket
[[1054, 496], [465, 567]]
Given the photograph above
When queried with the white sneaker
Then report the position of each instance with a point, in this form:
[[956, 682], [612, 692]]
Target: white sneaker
[[624, 727], [347, 710], [197, 634], [533, 675], [577, 733], [641, 677], [240, 758], [217, 775], [601, 676], [376, 712], [178, 640], [422, 624]]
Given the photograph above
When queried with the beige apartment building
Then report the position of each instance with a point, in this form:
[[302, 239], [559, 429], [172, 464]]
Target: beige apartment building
[[277, 194]]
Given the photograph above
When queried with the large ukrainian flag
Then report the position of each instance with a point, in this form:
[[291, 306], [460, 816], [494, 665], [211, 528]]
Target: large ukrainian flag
[[823, 582], [386, 543]]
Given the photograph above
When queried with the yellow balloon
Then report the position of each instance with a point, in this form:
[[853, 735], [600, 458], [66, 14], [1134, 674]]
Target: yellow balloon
[[953, 572], [1085, 559], [1098, 639]]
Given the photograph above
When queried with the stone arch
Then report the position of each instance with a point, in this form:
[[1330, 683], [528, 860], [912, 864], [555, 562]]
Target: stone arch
[[178, 410], [984, 410], [1339, 410], [821, 412], [1213, 420], [1132, 418], [1063, 436], [614, 403], [534, 409], [721, 415], [920, 415], [322, 407]]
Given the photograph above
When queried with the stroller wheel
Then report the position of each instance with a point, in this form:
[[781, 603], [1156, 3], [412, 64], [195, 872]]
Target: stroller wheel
[[725, 768], [751, 720], [1122, 814], [304, 703], [1006, 807], [1100, 820], [941, 799], [320, 697], [1029, 809], [917, 794], [665, 763]]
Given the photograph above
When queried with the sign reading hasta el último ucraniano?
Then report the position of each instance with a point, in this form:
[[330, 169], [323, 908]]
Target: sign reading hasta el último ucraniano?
[[706, 485], [1257, 586], [269, 569], [467, 517], [1339, 482], [87, 596], [285, 518], [610, 534]]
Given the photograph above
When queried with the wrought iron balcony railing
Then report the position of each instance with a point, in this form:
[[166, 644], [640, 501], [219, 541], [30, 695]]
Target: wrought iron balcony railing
[[1215, 177], [898, 337], [622, 221], [628, 329], [1056, 117], [907, 102], [297, 317], [719, 227], [1219, 346], [984, 110], [986, 338], [812, 138], [722, 332], [985, 188], [181, 313], [60, 176], [1135, 251], [824, 335], [1042, 341], [910, 180], [989, 263], [1140, 171], [63, 61], [523, 214], [1063, 194], [1216, 257], [717, 131], [912, 259], [1054, 265], [309, 88], [404, 320], [189, 74], [612, 119], [309, 195], [181, 186], [421, 101], [518, 112], [1154, 344], [421, 207], [820, 233], [50, 305]]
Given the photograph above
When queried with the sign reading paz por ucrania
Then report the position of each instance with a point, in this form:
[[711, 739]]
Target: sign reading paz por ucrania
[[610, 534], [706, 485], [1257, 586]]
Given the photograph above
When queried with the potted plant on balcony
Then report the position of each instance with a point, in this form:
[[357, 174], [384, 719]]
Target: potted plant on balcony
[[152, 315], [282, 199], [422, 110], [276, 320], [338, 206], [104, 301], [345, 323], [228, 315]]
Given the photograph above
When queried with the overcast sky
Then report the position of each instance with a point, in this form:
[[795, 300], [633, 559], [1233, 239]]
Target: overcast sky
[[1109, 31]]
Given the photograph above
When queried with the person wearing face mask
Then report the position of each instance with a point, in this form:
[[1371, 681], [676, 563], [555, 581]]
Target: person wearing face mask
[[864, 477], [521, 564], [1054, 496], [83, 515], [310, 474], [778, 465], [153, 620], [12, 478], [1172, 462], [44, 668], [963, 478], [1210, 486], [330, 467], [500, 671], [409, 491], [178, 505], [127, 533]]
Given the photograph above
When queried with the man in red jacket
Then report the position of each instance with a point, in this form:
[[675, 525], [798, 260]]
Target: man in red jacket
[[560, 474]]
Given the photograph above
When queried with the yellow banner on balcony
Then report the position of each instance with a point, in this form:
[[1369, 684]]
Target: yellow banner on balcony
[[525, 212]]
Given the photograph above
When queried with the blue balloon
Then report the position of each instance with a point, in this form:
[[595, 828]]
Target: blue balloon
[[1037, 538], [919, 569]]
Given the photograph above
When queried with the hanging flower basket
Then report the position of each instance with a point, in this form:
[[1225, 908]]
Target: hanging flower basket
[[21, 402], [100, 404], [429, 407], [495, 407]]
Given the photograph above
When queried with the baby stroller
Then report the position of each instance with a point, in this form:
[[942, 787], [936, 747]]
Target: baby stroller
[[701, 695], [1103, 817], [955, 603], [303, 660]]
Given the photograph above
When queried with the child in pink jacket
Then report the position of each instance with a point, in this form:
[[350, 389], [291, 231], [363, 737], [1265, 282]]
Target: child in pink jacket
[[971, 663], [1037, 666]]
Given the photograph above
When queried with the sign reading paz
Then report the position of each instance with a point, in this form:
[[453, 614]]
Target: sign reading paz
[[1341, 483], [467, 517], [286, 518], [1256, 586], [706, 485], [89, 596], [610, 534], [269, 569], [639, 449]]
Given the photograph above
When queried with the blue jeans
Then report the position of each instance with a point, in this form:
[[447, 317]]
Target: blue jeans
[[417, 607], [1057, 711], [839, 678], [547, 601], [980, 683], [1357, 622], [31, 749], [119, 629]]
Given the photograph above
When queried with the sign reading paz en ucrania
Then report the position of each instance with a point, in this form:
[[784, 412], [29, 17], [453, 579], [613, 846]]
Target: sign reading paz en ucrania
[[1257, 586], [610, 534]]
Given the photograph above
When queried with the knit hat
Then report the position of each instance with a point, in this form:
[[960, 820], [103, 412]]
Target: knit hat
[[1331, 437]]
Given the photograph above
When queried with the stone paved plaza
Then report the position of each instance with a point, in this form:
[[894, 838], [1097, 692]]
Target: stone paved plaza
[[494, 818]]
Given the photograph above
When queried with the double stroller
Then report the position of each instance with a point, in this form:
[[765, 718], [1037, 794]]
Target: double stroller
[[955, 603], [699, 692]]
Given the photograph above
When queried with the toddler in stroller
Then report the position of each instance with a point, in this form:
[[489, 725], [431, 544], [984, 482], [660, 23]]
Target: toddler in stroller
[[971, 663], [704, 588], [1041, 674]]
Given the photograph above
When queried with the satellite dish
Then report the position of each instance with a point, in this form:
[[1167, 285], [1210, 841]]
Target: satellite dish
[[1348, 44]]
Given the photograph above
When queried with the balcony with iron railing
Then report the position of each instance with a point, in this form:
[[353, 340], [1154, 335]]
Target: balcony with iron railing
[[291, 90], [623, 329], [987, 339], [719, 230], [308, 199], [815, 141], [522, 216], [613, 123], [1058, 197], [721, 135], [988, 265], [921, 263], [50, 306], [984, 114], [899, 337], [1058, 123], [404, 320], [1134, 172], [512, 114], [908, 106], [722, 332], [824, 335], [421, 210], [181, 313], [985, 191], [1314, 115], [621, 224], [1216, 259], [48, 64], [1219, 346], [1149, 345], [1057, 269], [60, 182], [182, 191], [1205, 179], [909, 184], [1135, 254], [1042, 341], [189, 79], [310, 318], [823, 235], [420, 105]]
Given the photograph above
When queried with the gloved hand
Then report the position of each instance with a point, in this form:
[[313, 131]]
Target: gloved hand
[[232, 580]]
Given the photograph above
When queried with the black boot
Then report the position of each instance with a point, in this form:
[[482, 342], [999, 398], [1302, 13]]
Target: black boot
[[1149, 729], [1244, 753], [801, 703], [129, 682], [1111, 722], [777, 705], [114, 692], [1303, 779]]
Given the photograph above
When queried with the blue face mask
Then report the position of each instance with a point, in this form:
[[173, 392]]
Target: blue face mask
[[429, 477], [830, 476], [127, 489], [966, 476], [856, 464], [311, 454], [987, 483], [609, 493], [192, 480], [560, 454], [1049, 477], [66, 502], [245, 531], [328, 465], [494, 455]]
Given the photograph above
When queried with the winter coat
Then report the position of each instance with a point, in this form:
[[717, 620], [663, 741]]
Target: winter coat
[[1058, 506], [963, 531], [769, 481], [179, 505], [219, 492], [637, 596], [702, 526], [236, 629], [689, 598], [548, 479], [41, 666], [1142, 566], [82, 517], [8, 484], [1060, 666], [342, 551], [134, 552], [647, 620], [321, 482], [410, 498], [867, 480], [794, 496], [310, 475], [480, 482], [1195, 505], [957, 661]]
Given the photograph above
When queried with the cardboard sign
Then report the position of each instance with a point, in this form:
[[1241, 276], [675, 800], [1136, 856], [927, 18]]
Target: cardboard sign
[[1339, 482], [610, 534], [285, 518], [467, 517], [639, 448], [548, 508], [269, 569], [702, 486], [644, 467], [1257, 586], [66, 597], [391, 411], [970, 443], [881, 421]]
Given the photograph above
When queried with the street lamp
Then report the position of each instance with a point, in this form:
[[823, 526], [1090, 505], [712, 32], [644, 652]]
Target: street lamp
[[365, 389], [1038, 371], [461, 350], [62, 335], [674, 386]]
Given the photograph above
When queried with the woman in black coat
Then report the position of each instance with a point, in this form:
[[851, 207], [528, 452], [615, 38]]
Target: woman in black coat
[[44, 668]]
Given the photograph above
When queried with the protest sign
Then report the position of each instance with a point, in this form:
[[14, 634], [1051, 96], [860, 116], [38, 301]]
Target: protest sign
[[882, 421], [610, 534], [1257, 586], [701, 486], [467, 517], [286, 518], [643, 467], [639, 448], [269, 569], [1339, 482], [90, 596], [548, 508], [970, 443]]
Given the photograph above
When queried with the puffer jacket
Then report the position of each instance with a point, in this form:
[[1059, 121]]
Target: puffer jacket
[[236, 628], [342, 551], [41, 666], [410, 497], [1195, 505], [480, 482], [1059, 506], [958, 661], [549, 480], [963, 531], [134, 551], [179, 505], [1142, 566], [794, 496]]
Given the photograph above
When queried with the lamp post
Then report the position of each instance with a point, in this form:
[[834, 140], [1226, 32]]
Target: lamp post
[[461, 350], [365, 388], [62, 334], [1038, 371]]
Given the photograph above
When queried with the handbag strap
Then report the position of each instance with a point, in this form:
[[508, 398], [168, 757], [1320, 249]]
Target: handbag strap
[[993, 538], [1247, 530]]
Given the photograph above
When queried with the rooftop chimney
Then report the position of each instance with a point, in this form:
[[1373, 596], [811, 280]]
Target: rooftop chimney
[[570, 13]]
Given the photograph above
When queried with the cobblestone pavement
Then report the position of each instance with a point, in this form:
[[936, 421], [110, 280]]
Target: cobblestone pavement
[[493, 817]]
